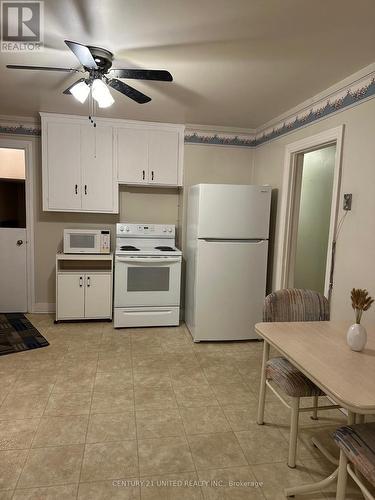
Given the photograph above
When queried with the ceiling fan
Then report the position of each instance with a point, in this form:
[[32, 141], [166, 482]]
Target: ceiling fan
[[97, 62]]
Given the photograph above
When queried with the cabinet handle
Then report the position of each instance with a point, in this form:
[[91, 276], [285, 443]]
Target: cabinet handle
[[88, 281], [152, 175], [143, 174], [76, 188], [80, 281], [85, 188]]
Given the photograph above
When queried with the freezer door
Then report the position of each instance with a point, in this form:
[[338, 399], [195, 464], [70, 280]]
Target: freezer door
[[230, 288], [233, 211]]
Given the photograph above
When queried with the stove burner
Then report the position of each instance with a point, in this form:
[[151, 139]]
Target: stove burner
[[165, 249], [129, 247]]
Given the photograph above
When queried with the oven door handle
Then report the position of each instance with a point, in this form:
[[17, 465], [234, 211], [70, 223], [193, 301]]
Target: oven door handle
[[146, 260]]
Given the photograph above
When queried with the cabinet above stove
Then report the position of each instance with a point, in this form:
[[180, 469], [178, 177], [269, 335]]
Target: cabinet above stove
[[83, 165]]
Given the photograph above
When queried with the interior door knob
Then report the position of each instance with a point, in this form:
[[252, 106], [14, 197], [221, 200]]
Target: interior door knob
[[19, 242]]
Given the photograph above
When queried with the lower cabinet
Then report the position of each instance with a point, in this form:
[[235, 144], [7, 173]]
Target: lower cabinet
[[70, 296], [81, 291], [98, 295]]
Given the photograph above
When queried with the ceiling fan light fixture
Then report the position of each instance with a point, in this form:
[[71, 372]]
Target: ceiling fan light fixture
[[101, 94], [80, 91]]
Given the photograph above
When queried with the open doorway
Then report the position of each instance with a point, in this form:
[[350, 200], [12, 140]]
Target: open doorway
[[15, 222], [308, 214], [311, 218]]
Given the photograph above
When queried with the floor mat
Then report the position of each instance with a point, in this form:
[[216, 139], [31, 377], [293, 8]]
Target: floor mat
[[18, 334]]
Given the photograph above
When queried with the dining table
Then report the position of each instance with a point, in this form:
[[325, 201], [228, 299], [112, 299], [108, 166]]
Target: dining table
[[320, 351]]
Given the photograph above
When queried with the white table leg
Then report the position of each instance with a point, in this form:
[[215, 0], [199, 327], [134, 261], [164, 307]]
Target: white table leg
[[317, 486], [262, 390]]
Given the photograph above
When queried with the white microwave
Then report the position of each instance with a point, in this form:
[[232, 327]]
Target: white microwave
[[87, 241]]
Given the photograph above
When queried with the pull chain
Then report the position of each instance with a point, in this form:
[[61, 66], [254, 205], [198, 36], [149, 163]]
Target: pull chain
[[92, 110]]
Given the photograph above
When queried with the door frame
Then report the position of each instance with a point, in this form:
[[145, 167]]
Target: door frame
[[292, 151], [27, 146]]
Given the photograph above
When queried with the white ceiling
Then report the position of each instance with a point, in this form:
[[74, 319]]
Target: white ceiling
[[236, 63]]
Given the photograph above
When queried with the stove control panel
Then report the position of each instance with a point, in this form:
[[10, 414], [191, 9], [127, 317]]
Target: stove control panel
[[146, 230]]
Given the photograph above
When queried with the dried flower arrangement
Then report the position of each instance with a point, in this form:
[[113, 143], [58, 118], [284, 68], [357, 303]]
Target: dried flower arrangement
[[361, 301]]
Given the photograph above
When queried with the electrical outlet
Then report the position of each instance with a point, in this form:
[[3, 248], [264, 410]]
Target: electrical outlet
[[347, 205]]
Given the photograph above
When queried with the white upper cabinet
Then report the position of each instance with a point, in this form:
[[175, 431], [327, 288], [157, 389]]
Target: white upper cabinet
[[83, 165], [78, 167], [97, 168], [62, 180], [132, 155], [150, 154], [163, 154]]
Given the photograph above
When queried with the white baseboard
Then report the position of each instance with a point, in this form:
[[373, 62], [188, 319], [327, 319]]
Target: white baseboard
[[44, 307]]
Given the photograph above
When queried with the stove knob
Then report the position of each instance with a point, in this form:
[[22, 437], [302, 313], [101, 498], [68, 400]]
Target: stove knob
[[164, 230], [122, 229], [170, 230], [127, 229]]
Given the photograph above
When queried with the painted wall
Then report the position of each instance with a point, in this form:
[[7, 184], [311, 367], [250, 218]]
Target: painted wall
[[355, 263], [202, 163], [314, 218], [12, 163]]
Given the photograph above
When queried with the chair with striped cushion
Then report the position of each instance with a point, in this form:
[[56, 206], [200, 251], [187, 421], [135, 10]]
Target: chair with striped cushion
[[357, 446], [292, 305]]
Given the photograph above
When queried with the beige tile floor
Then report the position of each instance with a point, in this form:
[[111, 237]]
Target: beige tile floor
[[145, 413]]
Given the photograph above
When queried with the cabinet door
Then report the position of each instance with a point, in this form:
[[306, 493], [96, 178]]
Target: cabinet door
[[98, 293], [62, 151], [132, 155], [97, 168], [163, 157], [70, 296]]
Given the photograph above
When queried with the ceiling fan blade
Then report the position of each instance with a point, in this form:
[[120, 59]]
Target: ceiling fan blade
[[128, 91], [42, 68], [143, 74], [67, 91], [82, 53]]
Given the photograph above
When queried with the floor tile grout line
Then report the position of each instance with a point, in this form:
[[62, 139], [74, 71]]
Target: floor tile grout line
[[185, 434], [135, 414], [88, 423], [34, 437]]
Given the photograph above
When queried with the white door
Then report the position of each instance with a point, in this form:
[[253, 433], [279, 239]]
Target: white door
[[13, 280], [98, 295], [163, 157], [230, 287], [132, 155], [234, 211], [71, 296], [97, 168], [63, 166]]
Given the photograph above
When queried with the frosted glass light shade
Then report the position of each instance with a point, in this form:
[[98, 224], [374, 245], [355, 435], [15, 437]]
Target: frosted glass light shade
[[101, 94], [80, 91]]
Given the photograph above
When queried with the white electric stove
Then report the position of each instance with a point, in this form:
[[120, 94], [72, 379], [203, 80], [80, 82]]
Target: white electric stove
[[147, 276]]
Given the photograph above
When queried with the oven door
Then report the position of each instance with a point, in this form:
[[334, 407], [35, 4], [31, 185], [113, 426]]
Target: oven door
[[147, 281]]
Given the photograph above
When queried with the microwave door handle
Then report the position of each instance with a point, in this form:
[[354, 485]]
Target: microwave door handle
[[146, 260]]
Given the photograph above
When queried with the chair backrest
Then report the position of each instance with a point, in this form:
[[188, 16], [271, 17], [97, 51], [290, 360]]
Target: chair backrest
[[293, 304]]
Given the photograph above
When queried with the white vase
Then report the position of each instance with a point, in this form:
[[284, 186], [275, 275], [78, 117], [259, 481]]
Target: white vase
[[356, 337]]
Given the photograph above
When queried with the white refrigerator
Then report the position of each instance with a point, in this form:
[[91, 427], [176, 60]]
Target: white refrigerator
[[226, 260]]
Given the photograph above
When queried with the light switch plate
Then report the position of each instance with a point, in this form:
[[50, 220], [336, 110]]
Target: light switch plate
[[347, 205]]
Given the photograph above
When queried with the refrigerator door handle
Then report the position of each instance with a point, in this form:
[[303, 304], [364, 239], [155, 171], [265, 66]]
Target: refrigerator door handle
[[220, 240]]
